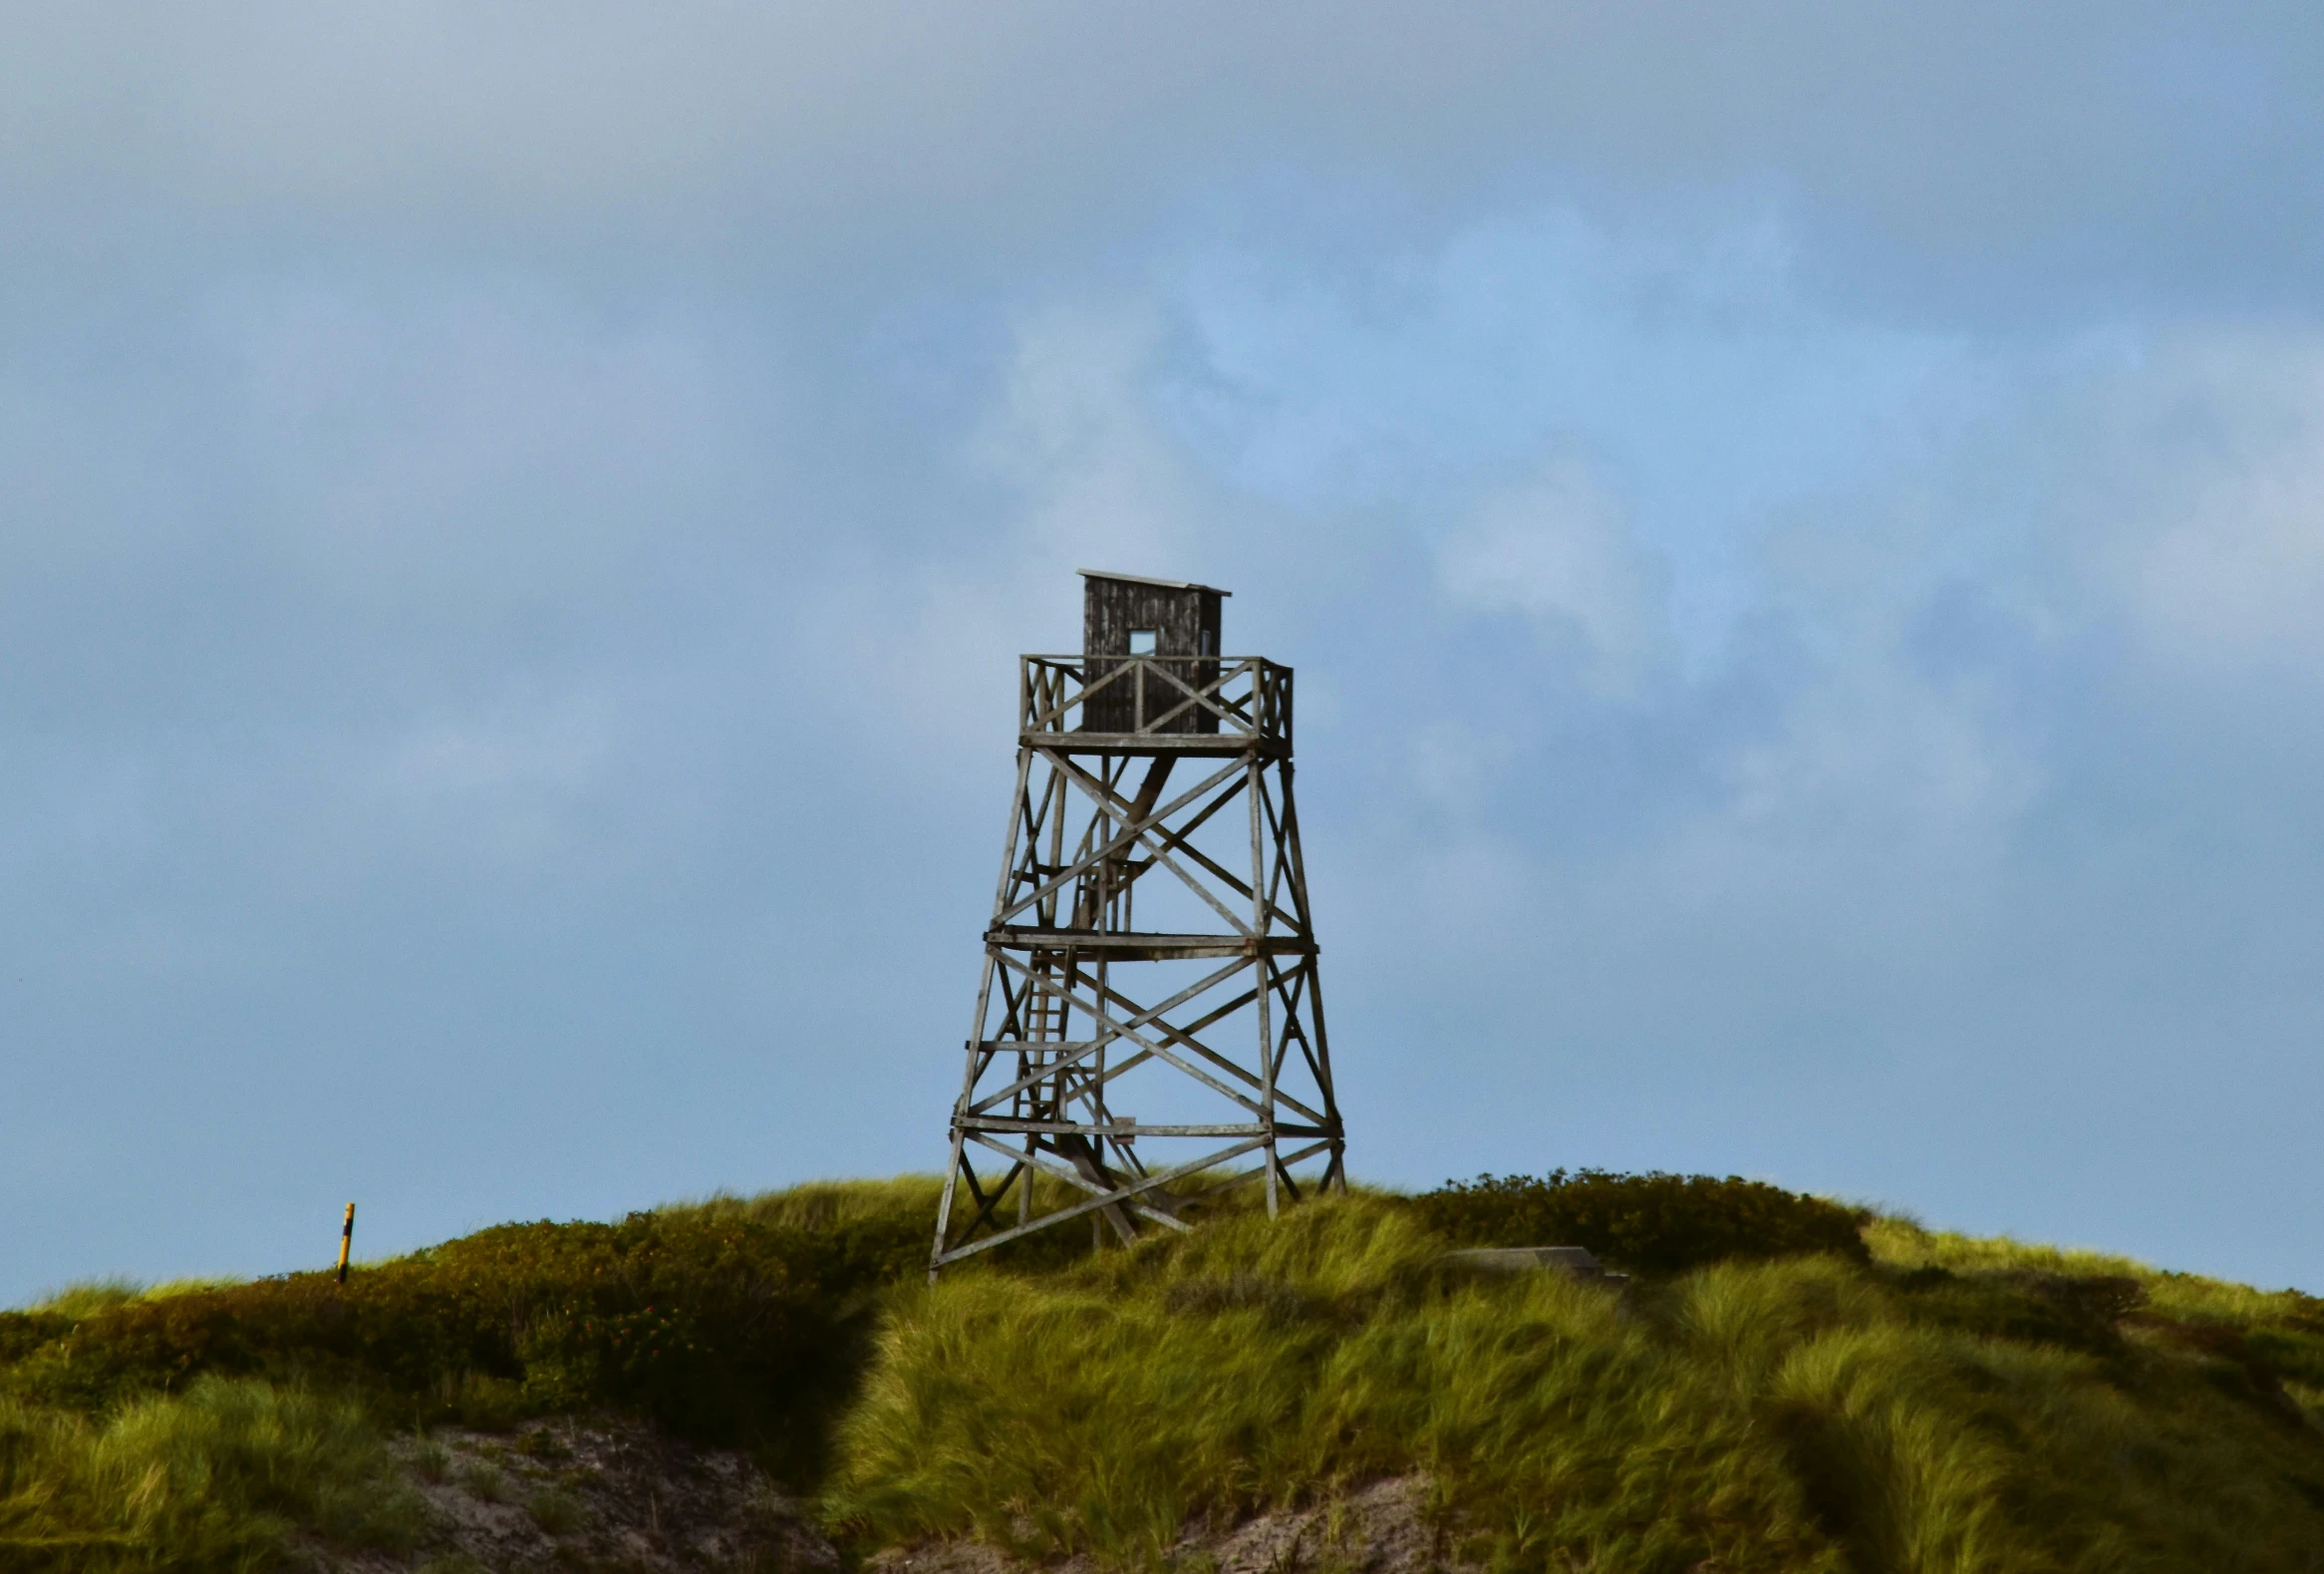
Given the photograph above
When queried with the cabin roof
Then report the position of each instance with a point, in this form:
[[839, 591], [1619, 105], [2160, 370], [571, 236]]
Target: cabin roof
[[1141, 579]]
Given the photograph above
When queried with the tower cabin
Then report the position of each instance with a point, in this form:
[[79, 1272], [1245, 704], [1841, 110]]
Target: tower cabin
[[1171, 628]]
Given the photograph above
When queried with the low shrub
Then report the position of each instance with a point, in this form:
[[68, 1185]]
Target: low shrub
[[722, 1328], [1652, 1223]]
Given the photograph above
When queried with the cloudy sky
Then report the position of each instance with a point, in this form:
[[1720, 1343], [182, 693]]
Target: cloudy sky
[[1801, 528]]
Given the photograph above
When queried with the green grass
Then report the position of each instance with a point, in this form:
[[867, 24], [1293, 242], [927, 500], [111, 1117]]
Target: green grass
[[190, 1426], [216, 1477], [904, 1203], [1894, 1402], [1805, 1413], [1908, 1245]]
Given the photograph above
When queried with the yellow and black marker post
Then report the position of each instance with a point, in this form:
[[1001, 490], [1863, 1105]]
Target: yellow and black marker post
[[346, 1241]]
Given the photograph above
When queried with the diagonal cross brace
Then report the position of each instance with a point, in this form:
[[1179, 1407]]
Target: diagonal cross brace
[[1127, 837]]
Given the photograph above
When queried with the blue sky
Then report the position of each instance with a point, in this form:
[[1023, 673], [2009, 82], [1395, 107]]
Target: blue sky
[[1799, 528]]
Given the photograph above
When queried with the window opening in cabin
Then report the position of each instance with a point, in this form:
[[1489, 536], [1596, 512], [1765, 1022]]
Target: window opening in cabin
[[1141, 642], [1209, 642]]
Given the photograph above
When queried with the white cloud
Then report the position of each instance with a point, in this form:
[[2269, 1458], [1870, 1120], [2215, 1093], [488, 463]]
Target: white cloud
[[2209, 515], [1085, 476], [1561, 551], [519, 785], [1075, 436], [1939, 137], [556, 749]]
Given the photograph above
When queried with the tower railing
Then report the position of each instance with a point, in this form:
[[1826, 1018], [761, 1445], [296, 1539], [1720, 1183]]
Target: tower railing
[[1192, 704]]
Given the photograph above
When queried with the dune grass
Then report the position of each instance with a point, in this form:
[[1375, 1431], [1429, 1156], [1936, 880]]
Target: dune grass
[[904, 1200], [222, 1476], [2276, 1336], [1807, 1413], [1906, 1244], [1922, 1403], [204, 1426]]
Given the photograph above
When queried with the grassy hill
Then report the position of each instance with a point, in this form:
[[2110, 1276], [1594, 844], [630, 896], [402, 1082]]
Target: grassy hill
[[1783, 1384]]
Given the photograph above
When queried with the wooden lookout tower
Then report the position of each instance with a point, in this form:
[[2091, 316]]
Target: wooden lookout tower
[[1149, 950]]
